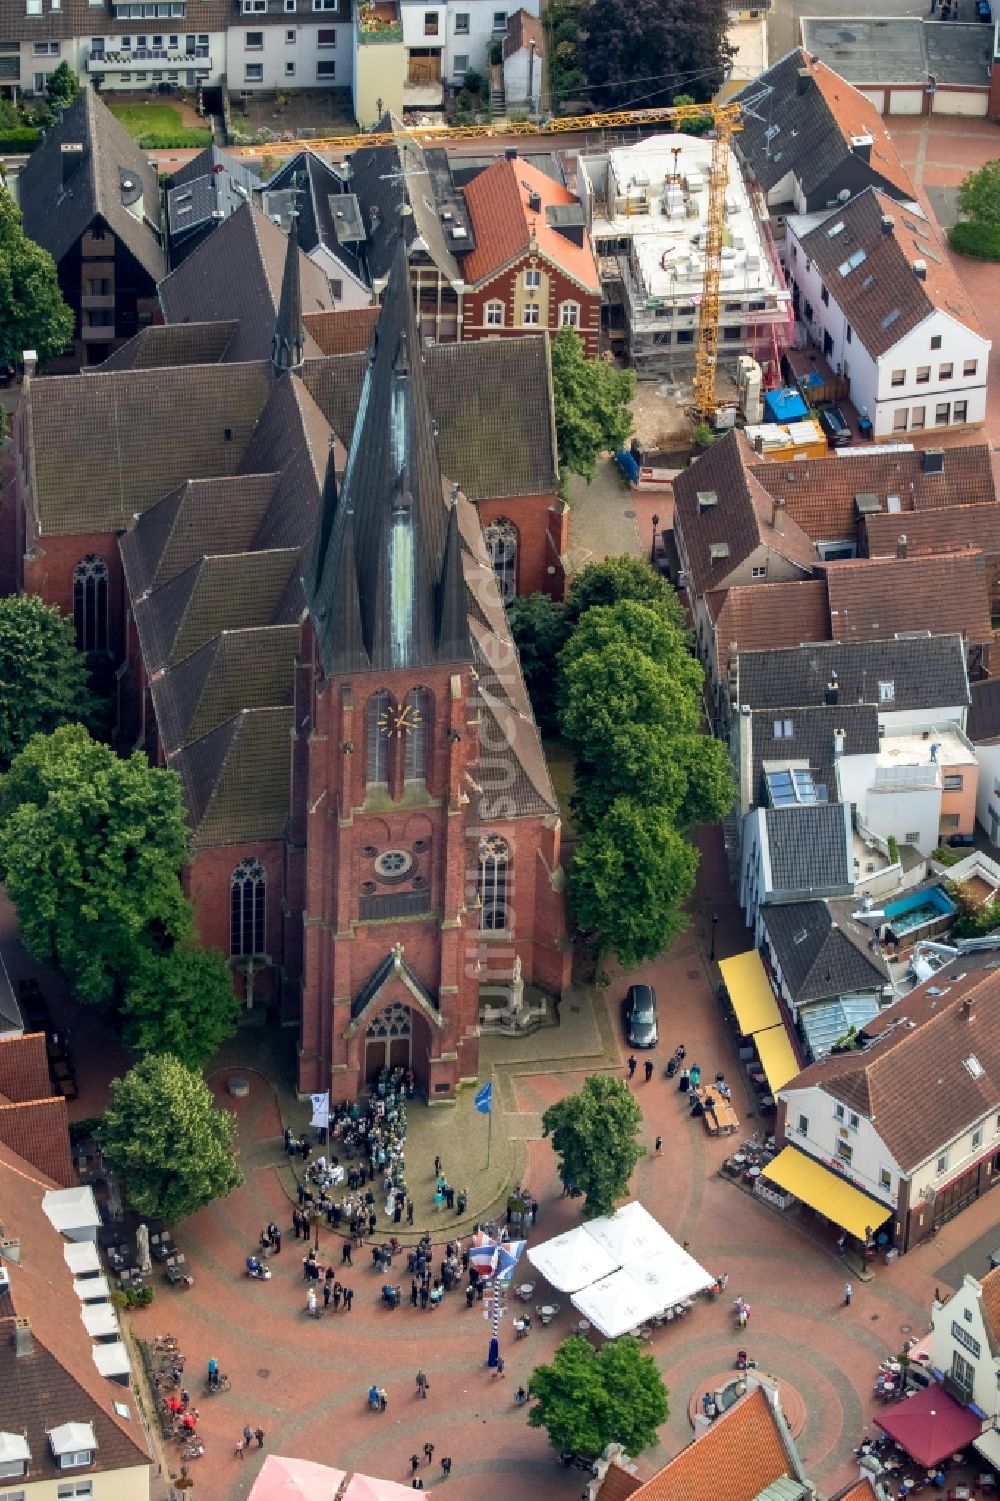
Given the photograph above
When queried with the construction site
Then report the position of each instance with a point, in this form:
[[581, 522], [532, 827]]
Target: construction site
[[647, 208]]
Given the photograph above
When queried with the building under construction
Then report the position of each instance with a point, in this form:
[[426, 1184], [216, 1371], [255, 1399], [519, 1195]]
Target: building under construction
[[647, 208]]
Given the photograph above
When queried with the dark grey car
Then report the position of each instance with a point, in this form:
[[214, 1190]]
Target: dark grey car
[[640, 1016]]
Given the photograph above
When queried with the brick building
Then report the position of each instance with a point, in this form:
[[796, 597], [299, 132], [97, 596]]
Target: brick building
[[324, 660]]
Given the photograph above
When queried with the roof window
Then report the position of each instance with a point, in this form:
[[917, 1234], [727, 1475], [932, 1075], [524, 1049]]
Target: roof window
[[973, 1065], [836, 229]]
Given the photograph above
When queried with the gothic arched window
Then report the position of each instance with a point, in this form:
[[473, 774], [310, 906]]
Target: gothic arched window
[[247, 909], [501, 544], [494, 861], [90, 603], [415, 760], [376, 738]]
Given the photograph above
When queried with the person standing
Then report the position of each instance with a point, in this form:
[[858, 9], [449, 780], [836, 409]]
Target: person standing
[[422, 1384], [258, 1434], [848, 1294], [414, 1463], [446, 1467], [348, 1299], [648, 1069], [428, 1452], [632, 1066], [239, 1448], [659, 1143]]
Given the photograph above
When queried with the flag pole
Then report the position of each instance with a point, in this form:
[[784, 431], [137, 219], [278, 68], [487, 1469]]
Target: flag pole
[[489, 1129]]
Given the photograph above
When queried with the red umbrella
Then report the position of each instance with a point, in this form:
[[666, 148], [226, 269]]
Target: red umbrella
[[931, 1425]]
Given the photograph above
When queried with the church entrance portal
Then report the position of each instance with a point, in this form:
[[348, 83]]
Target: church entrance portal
[[388, 1042]]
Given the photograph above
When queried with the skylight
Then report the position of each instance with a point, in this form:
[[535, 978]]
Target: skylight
[[974, 1066], [868, 280], [836, 229], [890, 318], [854, 259]]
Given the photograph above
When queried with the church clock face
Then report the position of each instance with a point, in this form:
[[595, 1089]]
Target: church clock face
[[399, 719]]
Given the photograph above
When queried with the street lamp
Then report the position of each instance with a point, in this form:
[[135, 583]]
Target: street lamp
[[652, 553], [715, 924]]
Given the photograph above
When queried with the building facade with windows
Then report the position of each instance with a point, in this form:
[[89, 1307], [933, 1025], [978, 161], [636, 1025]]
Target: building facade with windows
[[965, 1345], [322, 657], [875, 290], [911, 1114]]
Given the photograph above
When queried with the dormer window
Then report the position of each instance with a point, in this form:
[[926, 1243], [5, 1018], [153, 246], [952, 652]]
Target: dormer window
[[15, 1456], [73, 1445]]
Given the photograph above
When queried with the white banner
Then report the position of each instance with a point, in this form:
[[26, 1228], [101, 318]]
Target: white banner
[[321, 1109]]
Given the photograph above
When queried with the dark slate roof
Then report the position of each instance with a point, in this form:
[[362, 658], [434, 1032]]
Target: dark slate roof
[[235, 274], [171, 344], [927, 672], [203, 516], [237, 778], [328, 211], [111, 180], [220, 593], [491, 400], [984, 713], [381, 974], [822, 952], [384, 179], [380, 556], [869, 273], [106, 446], [240, 669], [809, 848], [812, 740], [207, 189], [809, 132]]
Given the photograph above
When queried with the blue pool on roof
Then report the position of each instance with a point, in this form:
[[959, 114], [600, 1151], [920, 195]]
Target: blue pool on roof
[[922, 907]]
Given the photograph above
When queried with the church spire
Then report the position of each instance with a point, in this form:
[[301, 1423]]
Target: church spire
[[288, 340], [452, 595], [332, 585]]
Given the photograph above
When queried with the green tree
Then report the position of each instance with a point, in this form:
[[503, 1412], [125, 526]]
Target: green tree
[[43, 678], [90, 849], [588, 1398], [591, 404], [616, 579], [594, 1135], [33, 314], [630, 46], [62, 87], [180, 1002], [630, 875], [172, 1148], [979, 194], [539, 627]]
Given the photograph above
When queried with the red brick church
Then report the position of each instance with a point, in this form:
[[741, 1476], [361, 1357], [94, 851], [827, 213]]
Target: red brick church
[[314, 638]]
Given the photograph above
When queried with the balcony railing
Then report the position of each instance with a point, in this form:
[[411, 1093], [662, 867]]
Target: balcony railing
[[148, 58]]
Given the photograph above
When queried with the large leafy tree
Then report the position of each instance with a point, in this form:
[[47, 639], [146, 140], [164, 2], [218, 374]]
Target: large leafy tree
[[539, 627], [644, 51], [979, 194], [172, 1148], [587, 1398], [631, 873], [33, 314], [43, 678], [180, 1002], [594, 1134], [591, 399], [90, 850], [626, 578], [62, 86]]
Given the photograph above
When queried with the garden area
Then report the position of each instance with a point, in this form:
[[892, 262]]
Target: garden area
[[157, 124]]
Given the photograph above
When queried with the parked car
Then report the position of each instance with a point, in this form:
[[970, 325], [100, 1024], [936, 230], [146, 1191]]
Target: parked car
[[640, 1017], [834, 424]]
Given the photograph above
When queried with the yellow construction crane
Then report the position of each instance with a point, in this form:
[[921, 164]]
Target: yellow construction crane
[[725, 120]]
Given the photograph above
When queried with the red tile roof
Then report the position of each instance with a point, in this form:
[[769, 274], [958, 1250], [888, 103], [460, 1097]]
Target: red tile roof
[[522, 30], [38, 1131], [743, 1452], [24, 1067], [504, 224], [873, 599], [618, 1484], [819, 493], [934, 531], [857, 116], [861, 1490], [756, 618], [346, 331], [990, 1287]]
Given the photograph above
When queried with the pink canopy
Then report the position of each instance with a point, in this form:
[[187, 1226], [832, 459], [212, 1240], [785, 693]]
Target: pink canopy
[[296, 1480], [367, 1488], [931, 1425]]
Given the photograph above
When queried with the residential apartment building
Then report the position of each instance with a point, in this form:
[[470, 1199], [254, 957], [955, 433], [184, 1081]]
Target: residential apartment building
[[965, 1347], [910, 1115], [90, 197], [876, 292]]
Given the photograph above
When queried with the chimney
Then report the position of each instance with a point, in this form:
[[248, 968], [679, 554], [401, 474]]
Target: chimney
[[901, 546], [969, 1008], [29, 359], [920, 270], [535, 202], [932, 460], [839, 738], [861, 147], [888, 224], [832, 691], [778, 514], [804, 81], [22, 1337], [511, 153]]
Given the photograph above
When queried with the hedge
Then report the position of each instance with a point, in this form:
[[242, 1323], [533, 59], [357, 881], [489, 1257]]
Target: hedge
[[176, 139], [22, 138], [975, 239]]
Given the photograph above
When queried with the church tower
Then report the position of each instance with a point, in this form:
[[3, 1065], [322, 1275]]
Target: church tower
[[387, 727]]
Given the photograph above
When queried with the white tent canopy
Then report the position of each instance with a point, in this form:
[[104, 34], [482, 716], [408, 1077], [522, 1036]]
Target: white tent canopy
[[572, 1260], [620, 1269]]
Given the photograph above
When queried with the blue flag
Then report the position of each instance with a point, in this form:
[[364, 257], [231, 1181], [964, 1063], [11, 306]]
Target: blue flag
[[484, 1099]]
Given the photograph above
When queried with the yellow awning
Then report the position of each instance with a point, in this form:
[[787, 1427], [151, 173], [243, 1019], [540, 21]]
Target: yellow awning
[[750, 992], [826, 1192], [776, 1056]]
